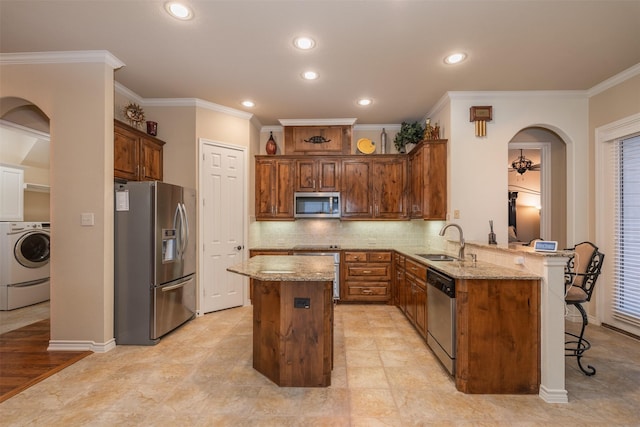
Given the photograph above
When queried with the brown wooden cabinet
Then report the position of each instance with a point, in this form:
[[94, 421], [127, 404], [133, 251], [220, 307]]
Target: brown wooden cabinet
[[428, 180], [322, 174], [374, 188], [398, 290], [274, 188], [498, 336], [416, 295], [366, 276], [137, 156], [317, 140]]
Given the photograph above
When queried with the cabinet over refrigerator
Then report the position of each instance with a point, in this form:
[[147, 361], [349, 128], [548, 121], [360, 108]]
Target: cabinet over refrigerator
[[155, 260]]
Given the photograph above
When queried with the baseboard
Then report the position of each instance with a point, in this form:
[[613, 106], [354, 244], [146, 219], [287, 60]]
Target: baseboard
[[553, 396], [63, 345]]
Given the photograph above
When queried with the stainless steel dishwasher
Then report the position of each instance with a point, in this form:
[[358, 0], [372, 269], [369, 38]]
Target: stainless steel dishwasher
[[441, 318]]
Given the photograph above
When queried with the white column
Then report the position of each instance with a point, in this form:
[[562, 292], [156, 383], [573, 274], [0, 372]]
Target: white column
[[552, 308]]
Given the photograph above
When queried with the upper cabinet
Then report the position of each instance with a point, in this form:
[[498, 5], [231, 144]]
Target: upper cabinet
[[317, 140], [321, 174], [11, 194], [374, 187], [274, 188], [137, 156], [428, 177]]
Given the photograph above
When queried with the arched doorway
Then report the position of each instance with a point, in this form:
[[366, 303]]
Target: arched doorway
[[542, 188], [24, 145]]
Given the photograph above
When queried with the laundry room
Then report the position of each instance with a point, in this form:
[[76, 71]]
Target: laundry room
[[25, 222]]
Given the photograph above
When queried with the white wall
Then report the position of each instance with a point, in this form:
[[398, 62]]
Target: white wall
[[478, 183]]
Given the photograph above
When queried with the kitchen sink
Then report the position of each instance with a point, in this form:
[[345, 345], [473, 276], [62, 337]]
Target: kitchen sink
[[438, 257]]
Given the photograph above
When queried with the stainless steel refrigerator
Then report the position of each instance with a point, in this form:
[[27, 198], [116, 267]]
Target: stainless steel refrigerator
[[155, 260]]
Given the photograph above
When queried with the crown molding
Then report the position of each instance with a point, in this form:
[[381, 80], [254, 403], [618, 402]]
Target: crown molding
[[127, 93], [484, 95], [317, 122], [61, 57], [615, 80]]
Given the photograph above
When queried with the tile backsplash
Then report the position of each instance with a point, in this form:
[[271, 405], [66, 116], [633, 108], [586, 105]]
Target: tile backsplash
[[363, 234]]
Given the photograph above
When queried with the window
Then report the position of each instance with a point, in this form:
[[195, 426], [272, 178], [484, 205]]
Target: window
[[626, 287]]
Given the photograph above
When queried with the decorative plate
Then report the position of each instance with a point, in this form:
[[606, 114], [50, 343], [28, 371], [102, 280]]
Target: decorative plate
[[134, 114], [366, 146]]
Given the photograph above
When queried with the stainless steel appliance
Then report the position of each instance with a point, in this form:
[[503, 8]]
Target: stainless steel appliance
[[155, 260], [317, 205], [441, 318], [327, 250]]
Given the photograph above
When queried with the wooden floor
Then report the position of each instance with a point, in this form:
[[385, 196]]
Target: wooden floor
[[24, 359]]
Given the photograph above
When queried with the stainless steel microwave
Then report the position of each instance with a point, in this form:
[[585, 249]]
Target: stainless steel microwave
[[317, 205]]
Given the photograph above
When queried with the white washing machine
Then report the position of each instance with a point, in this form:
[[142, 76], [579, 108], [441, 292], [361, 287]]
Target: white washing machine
[[24, 263]]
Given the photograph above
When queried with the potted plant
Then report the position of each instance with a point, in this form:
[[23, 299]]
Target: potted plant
[[410, 133]]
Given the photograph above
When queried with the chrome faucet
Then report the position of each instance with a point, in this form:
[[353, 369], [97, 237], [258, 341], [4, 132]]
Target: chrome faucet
[[461, 241]]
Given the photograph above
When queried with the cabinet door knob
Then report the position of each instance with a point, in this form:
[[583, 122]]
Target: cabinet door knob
[[240, 247]]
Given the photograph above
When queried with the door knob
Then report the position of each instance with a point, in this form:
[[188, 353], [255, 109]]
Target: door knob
[[239, 247]]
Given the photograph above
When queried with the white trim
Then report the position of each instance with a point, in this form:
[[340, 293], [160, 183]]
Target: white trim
[[618, 129], [67, 345], [127, 93], [553, 396], [25, 130], [615, 80], [61, 57], [442, 102], [317, 122]]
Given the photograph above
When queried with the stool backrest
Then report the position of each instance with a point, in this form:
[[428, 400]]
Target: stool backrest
[[583, 268]]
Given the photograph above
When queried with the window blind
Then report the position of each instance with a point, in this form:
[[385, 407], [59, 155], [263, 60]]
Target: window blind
[[626, 289]]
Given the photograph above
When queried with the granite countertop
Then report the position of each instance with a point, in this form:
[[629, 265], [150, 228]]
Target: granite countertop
[[287, 268], [456, 269]]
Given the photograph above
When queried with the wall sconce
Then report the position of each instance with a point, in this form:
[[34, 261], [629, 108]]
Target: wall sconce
[[481, 115]]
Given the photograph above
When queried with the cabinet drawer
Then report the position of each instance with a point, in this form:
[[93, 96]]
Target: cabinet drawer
[[370, 270], [418, 270], [398, 259], [355, 256], [379, 257], [365, 289]]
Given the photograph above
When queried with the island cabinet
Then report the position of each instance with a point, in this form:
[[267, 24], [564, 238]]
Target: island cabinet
[[498, 336], [366, 276], [416, 295], [398, 291], [274, 188], [428, 180], [137, 156], [374, 188], [318, 175]]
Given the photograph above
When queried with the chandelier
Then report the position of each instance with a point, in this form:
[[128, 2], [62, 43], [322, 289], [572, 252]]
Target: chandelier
[[521, 164]]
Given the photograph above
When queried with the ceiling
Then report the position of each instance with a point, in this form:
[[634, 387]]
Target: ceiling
[[388, 50]]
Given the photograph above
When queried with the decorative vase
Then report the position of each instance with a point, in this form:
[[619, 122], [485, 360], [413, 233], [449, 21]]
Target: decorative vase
[[271, 145], [383, 141]]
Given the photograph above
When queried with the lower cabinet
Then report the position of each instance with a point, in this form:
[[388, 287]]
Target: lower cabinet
[[397, 288], [416, 295], [366, 276], [256, 252], [498, 336]]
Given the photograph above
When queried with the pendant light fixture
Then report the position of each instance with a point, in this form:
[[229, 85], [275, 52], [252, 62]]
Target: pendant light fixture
[[521, 164]]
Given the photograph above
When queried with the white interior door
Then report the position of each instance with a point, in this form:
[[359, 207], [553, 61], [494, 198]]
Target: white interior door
[[222, 229]]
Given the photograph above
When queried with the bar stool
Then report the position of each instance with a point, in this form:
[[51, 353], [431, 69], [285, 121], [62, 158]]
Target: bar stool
[[580, 276]]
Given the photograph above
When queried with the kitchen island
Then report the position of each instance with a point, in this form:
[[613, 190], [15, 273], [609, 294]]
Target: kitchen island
[[292, 318]]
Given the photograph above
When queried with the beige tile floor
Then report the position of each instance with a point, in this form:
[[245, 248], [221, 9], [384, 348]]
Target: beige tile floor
[[384, 375]]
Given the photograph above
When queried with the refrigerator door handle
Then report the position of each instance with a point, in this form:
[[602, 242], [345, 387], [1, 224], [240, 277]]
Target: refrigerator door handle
[[177, 221], [177, 285], [185, 227]]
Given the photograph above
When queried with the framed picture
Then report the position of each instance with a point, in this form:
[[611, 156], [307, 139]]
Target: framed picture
[[481, 114]]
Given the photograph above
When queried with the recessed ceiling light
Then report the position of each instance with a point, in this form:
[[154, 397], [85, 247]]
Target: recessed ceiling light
[[364, 102], [248, 103], [304, 43], [455, 58], [309, 75], [178, 10]]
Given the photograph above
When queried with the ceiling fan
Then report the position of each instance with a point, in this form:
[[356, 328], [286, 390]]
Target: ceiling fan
[[522, 164]]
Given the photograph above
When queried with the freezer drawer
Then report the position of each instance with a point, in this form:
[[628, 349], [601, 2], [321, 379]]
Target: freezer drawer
[[173, 304]]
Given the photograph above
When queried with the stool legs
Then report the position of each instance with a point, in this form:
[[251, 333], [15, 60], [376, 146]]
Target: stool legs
[[578, 347]]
